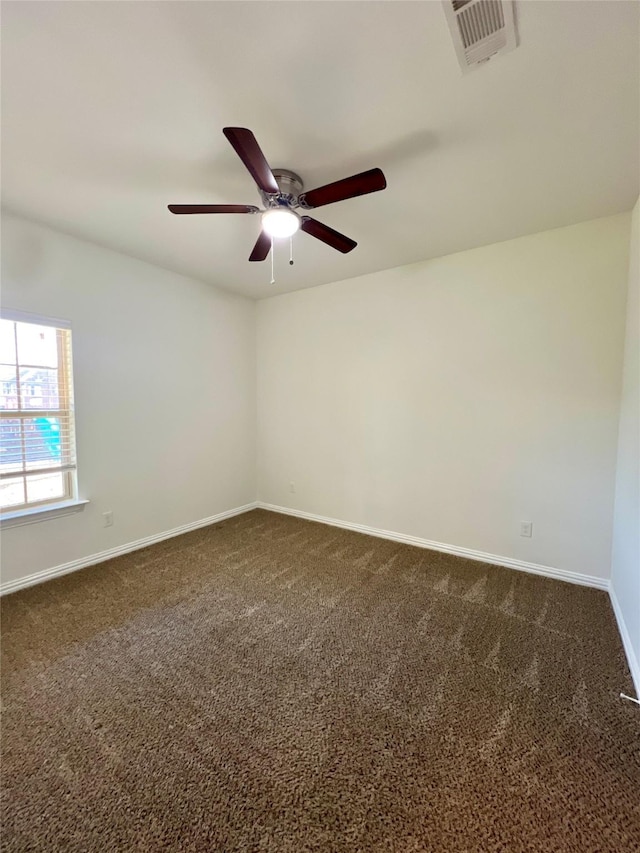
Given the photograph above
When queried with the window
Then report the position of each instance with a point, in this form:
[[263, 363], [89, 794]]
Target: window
[[37, 441]]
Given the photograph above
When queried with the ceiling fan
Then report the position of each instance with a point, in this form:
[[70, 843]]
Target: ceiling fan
[[282, 194]]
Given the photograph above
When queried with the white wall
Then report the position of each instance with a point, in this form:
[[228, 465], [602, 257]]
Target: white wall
[[451, 399], [164, 371], [447, 400], [625, 573]]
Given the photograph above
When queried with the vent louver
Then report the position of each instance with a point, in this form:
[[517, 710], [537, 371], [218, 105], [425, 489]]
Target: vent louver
[[480, 29]]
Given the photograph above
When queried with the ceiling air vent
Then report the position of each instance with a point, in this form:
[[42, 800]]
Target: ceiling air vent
[[480, 29]]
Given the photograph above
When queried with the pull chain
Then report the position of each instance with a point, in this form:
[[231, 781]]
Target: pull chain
[[291, 250], [273, 280]]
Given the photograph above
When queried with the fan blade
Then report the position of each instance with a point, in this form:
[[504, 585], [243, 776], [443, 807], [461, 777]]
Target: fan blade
[[213, 208], [261, 248], [366, 182], [322, 232], [248, 150]]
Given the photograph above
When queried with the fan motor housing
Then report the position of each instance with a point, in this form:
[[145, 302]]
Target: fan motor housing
[[290, 186]]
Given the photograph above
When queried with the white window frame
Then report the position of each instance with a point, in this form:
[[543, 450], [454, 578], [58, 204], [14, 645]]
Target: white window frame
[[36, 511]]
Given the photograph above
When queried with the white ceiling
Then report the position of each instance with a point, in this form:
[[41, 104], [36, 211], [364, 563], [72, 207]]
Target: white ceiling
[[111, 110]]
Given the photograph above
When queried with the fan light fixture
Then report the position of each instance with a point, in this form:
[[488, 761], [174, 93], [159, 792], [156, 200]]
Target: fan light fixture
[[280, 222], [281, 194]]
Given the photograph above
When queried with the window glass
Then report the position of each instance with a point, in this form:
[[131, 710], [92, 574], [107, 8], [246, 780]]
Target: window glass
[[37, 440]]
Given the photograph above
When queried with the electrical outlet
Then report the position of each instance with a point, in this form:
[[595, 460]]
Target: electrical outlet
[[292, 487], [526, 529], [107, 519]]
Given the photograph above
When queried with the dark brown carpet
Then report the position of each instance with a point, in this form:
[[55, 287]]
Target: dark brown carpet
[[270, 684]]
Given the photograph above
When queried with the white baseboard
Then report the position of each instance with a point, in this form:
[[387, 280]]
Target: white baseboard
[[468, 553], [632, 660], [92, 559]]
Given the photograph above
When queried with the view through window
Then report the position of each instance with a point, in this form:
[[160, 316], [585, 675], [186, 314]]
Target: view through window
[[37, 442]]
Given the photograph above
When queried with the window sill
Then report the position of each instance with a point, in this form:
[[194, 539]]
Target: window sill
[[41, 513]]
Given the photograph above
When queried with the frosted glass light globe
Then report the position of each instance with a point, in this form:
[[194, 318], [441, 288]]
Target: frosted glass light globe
[[280, 222]]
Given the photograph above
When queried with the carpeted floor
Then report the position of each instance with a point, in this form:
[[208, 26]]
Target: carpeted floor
[[271, 684]]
